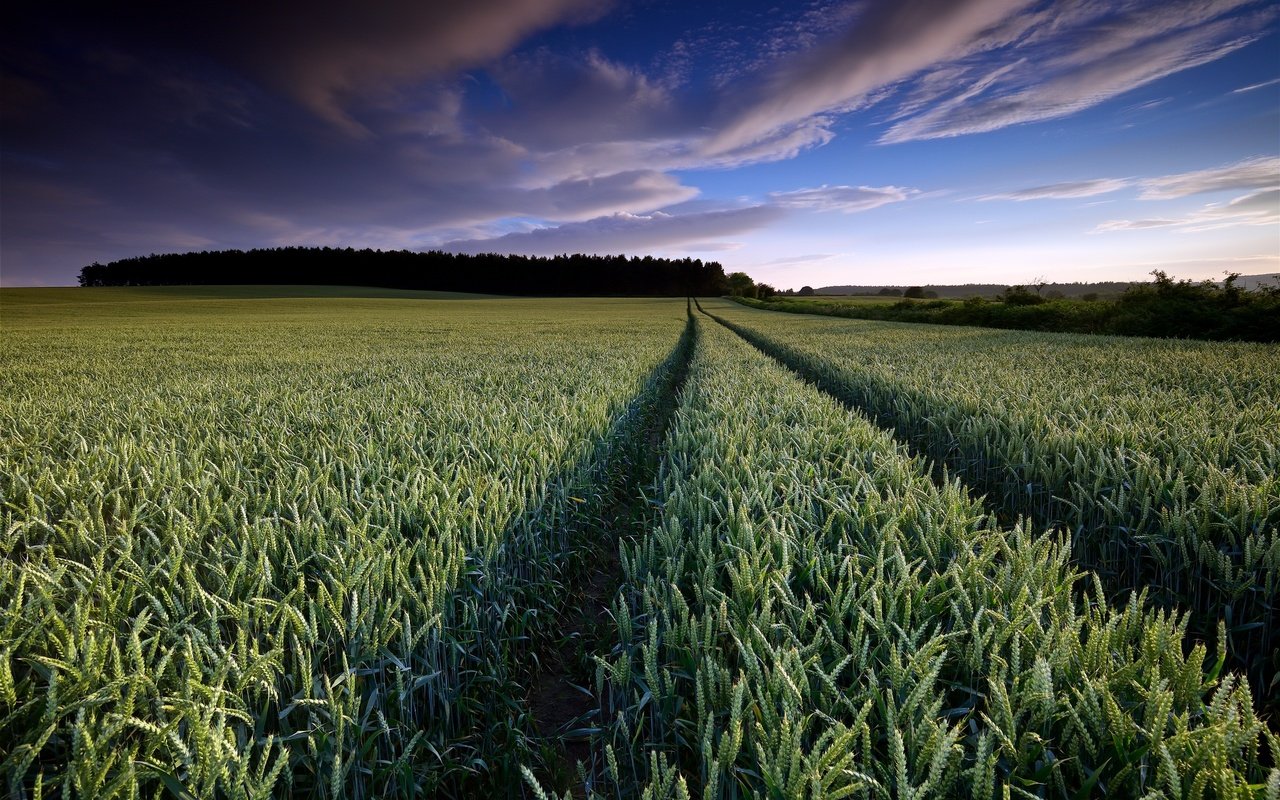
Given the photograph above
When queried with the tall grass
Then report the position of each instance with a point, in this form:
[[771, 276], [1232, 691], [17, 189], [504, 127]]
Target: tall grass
[[314, 547], [1160, 458], [294, 547], [813, 616]]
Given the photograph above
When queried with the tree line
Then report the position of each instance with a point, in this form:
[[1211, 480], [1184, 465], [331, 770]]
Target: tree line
[[1164, 307], [487, 273]]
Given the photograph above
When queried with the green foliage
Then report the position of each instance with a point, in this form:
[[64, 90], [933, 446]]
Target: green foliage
[[1166, 309], [1021, 296], [1199, 310], [314, 546], [741, 285], [1161, 459], [296, 547], [812, 616]]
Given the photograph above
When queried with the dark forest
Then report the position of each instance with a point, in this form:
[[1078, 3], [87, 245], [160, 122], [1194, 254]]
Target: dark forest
[[488, 273]]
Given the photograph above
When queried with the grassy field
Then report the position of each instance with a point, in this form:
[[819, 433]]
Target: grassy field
[[845, 299], [114, 295], [298, 543], [1160, 458], [259, 543]]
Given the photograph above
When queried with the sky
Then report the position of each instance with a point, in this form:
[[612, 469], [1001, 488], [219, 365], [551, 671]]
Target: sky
[[870, 142]]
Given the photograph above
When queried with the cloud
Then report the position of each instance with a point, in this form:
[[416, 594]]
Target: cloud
[[808, 258], [331, 55], [624, 232], [848, 199], [1257, 208], [1251, 87], [1063, 191], [1253, 173], [554, 101], [412, 123], [955, 67], [585, 198], [1136, 224], [1058, 64], [886, 43]]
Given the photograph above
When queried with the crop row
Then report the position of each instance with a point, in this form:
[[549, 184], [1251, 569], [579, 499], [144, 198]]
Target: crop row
[[1161, 458], [296, 548], [811, 615]]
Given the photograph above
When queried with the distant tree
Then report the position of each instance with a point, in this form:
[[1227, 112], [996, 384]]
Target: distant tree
[[806, 291], [764, 291], [1020, 296], [914, 293], [1089, 297], [562, 275], [889, 291], [740, 284], [930, 294]]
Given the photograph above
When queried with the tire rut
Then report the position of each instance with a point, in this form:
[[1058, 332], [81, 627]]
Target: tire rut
[[560, 701]]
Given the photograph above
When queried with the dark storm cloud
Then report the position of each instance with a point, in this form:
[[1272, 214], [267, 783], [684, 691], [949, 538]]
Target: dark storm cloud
[[328, 55], [554, 102], [173, 128]]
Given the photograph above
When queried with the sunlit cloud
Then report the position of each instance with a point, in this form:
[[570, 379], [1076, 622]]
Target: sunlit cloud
[[885, 44], [1258, 208], [848, 199], [1063, 191], [807, 258], [1253, 173], [1251, 87], [623, 232], [1056, 76]]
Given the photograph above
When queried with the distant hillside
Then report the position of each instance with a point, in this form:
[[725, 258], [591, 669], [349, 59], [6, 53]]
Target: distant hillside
[[1102, 289], [1256, 281], [487, 273]]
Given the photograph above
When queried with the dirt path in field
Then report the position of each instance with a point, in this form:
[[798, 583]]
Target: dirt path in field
[[562, 697]]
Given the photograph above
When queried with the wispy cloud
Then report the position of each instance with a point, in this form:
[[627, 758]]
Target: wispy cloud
[[1258, 208], [956, 67], [848, 199], [807, 258], [1253, 86], [1063, 65], [701, 230], [1063, 191], [885, 44], [1136, 224], [625, 232], [1253, 173]]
